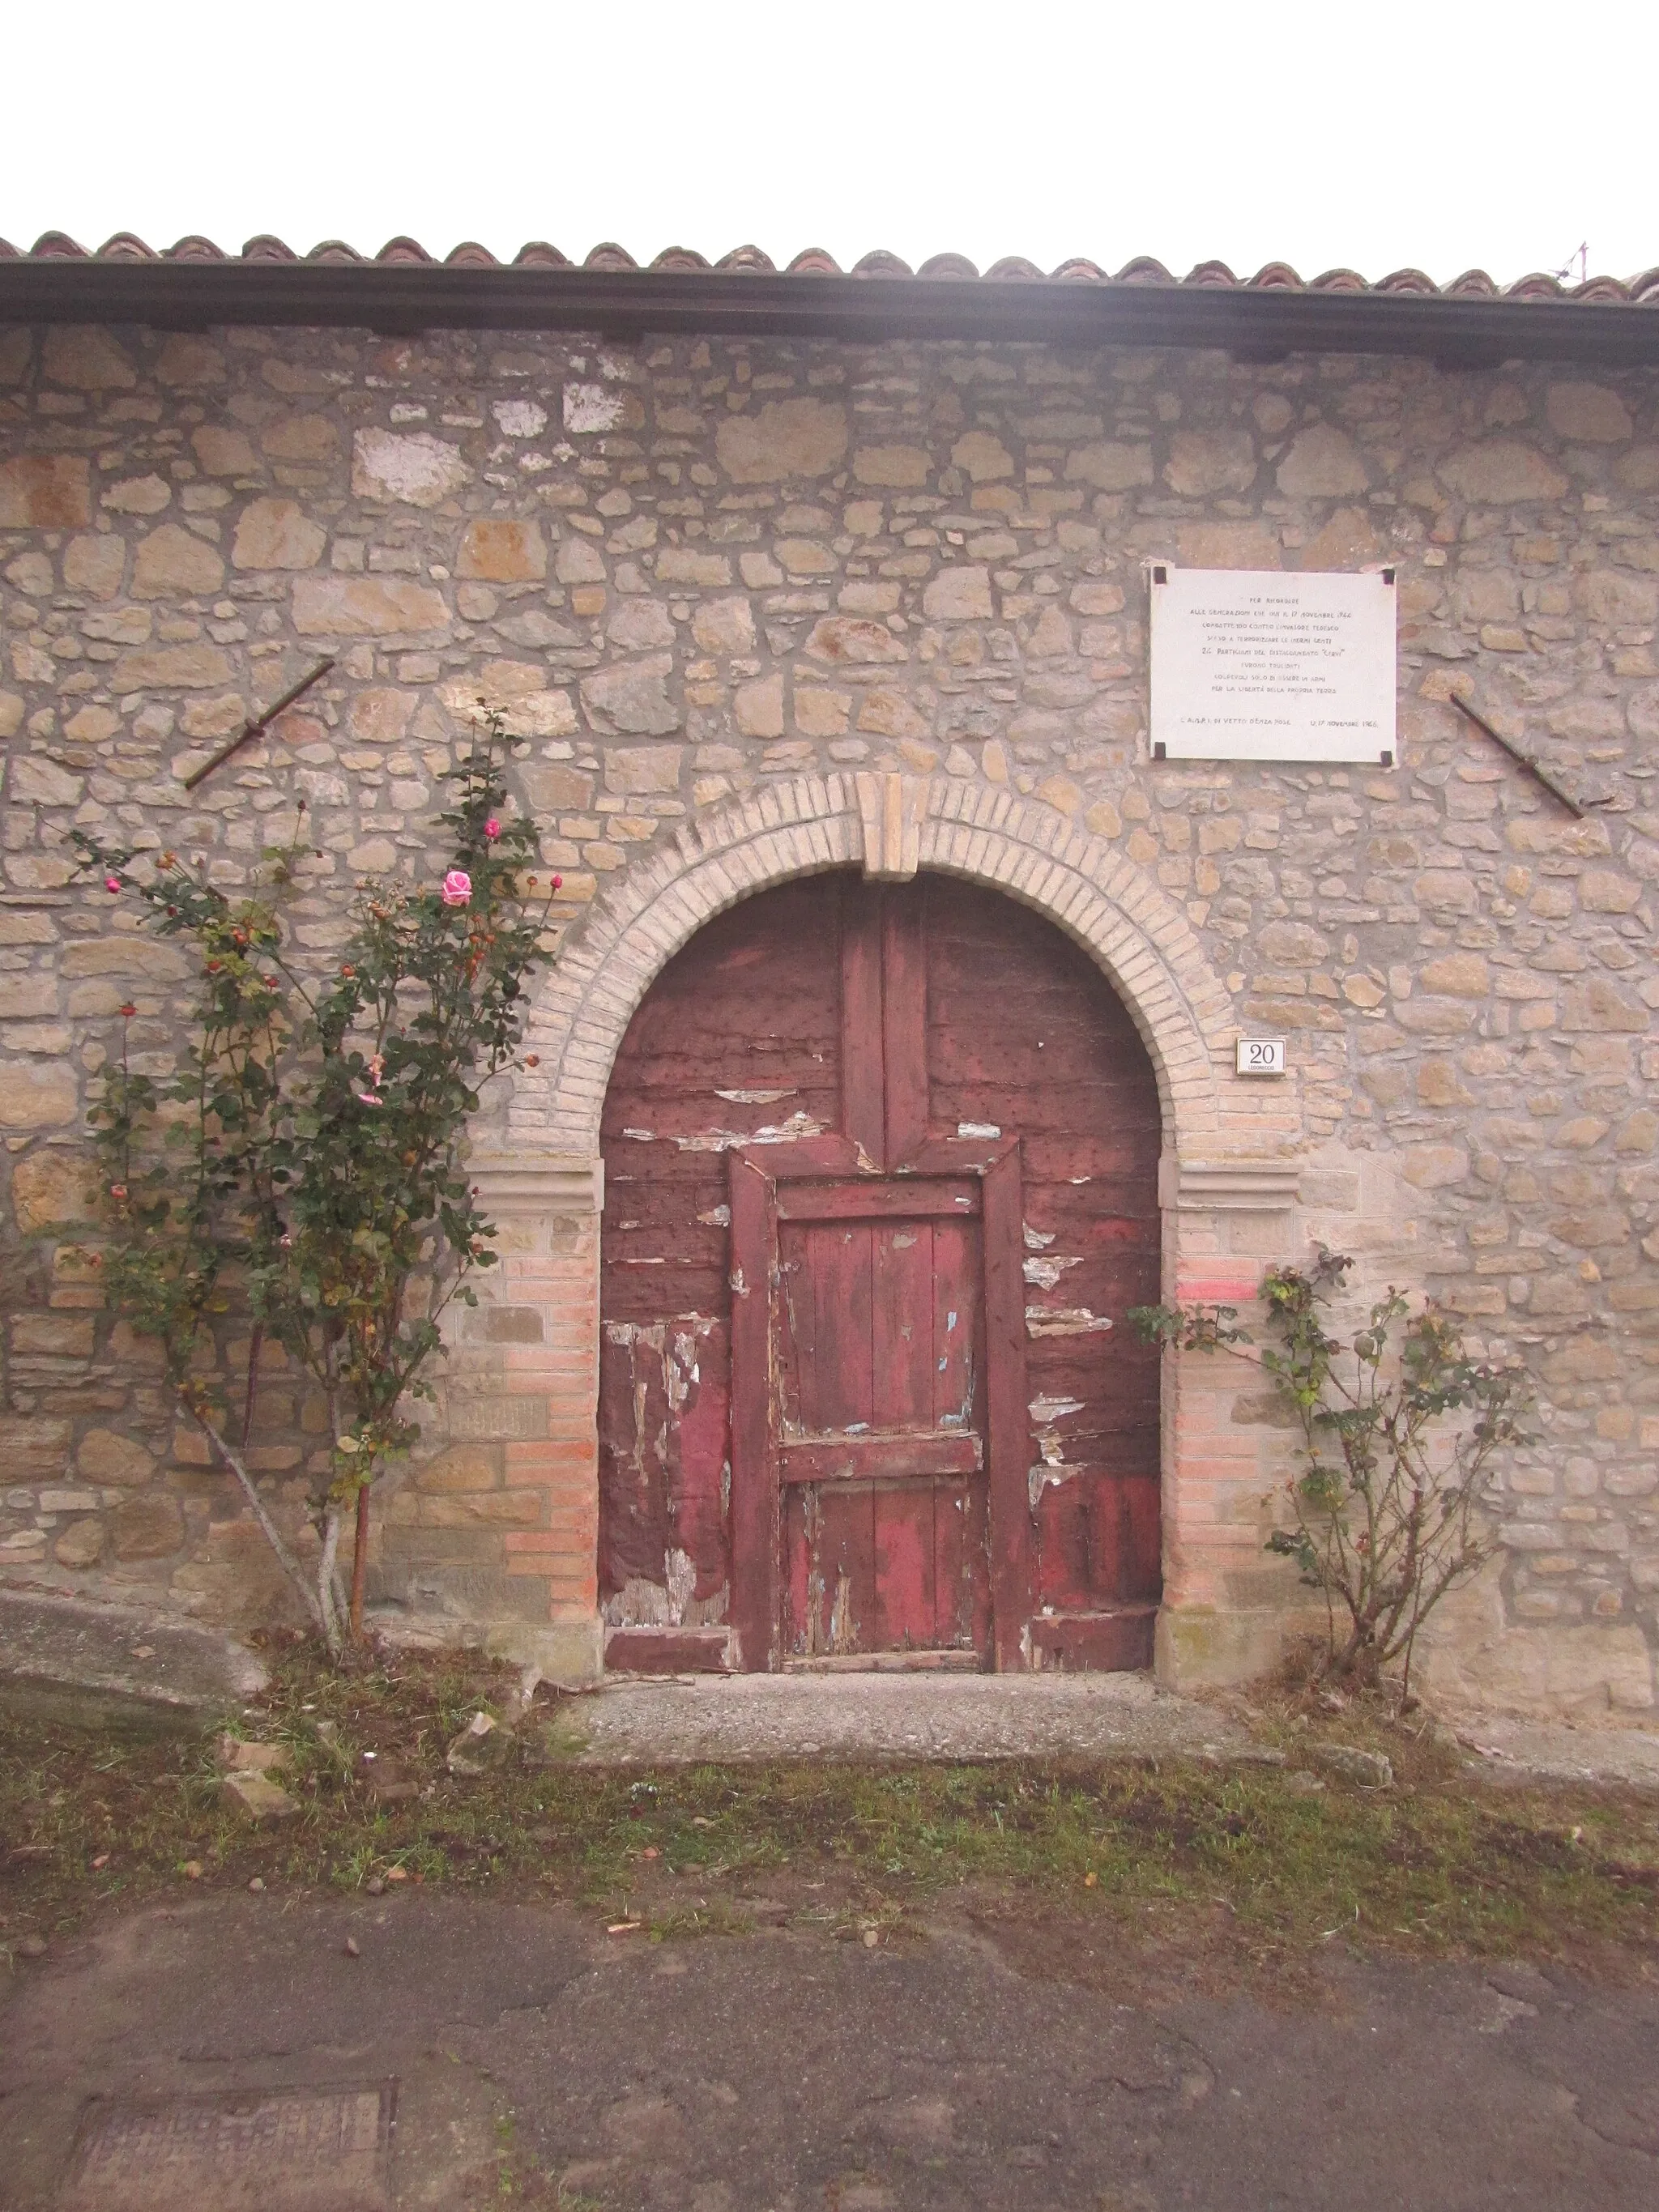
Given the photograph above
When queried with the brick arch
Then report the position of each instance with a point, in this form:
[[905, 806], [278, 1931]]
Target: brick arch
[[1134, 930]]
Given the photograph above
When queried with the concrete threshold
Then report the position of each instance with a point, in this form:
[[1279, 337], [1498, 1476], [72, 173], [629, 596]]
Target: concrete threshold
[[896, 1715]]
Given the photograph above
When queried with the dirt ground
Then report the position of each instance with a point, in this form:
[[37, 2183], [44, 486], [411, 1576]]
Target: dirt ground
[[650, 1952], [980, 2057]]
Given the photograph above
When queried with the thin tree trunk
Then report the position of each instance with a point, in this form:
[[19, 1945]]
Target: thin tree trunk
[[255, 1345], [359, 1565], [327, 1593], [290, 1565]]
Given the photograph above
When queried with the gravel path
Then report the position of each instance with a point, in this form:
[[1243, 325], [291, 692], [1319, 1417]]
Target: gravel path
[[896, 1715]]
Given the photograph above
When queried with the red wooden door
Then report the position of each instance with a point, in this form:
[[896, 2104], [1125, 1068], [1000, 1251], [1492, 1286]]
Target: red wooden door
[[878, 1420], [804, 1097], [878, 1487]]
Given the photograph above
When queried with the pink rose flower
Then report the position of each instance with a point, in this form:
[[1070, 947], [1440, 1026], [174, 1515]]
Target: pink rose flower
[[111, 882], [492, 829], [458, 888], [369, 1099]]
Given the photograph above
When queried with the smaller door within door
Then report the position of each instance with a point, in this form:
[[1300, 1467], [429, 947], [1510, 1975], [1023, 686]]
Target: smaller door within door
[[880, 1419], [879, 1431]]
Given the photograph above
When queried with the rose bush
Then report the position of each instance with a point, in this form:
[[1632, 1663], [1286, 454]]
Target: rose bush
[[307, 1154]]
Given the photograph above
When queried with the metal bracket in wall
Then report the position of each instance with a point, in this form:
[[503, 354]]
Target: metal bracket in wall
[[253, 729], [890, 810], [1525, 760]]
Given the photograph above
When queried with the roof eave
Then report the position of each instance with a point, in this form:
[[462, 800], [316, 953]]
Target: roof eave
[[1259, 323]]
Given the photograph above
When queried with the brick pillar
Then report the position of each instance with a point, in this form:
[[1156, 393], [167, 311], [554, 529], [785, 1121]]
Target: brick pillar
[[1226, 1603], [523, 1380]]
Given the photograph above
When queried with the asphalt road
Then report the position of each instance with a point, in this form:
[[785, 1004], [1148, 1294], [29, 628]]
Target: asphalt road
[[783, 2070]]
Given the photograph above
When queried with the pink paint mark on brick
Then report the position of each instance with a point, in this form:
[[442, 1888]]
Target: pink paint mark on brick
[[1219, 1288]]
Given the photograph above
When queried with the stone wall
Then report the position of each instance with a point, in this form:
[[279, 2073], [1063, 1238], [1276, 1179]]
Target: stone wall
[[697, 574]]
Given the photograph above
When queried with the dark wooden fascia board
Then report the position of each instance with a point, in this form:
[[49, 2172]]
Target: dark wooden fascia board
[[1262, 324]]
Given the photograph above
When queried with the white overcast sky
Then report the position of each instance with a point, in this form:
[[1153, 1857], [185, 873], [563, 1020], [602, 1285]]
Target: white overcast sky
[[1373, 133]]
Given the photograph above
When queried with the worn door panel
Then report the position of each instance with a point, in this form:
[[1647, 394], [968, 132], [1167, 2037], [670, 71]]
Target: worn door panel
[[887, 1042], [878, 1436]]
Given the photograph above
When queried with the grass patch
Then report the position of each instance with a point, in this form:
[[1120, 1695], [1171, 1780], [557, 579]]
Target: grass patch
[[1246, 1857]]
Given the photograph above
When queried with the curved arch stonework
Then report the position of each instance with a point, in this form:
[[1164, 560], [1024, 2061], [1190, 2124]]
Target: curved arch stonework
[[1130, 925], [526, 1374]]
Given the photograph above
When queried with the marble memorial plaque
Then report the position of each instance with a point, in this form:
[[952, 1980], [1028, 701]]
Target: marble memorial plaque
[[263, 2150], [1254, 664]]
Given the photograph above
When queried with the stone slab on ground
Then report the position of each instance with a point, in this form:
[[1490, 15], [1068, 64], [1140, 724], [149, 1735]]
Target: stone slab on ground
[[990, 2066], [1555, 1752], [75, 1658], [895, 1716]]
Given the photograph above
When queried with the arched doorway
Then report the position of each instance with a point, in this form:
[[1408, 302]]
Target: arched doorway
[[880, 1184]]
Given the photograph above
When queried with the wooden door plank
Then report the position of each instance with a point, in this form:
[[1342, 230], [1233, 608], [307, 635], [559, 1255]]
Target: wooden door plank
[[878, 1458], [955, 1563], [862, 1117], [844, 1564], [904, 1021], [904, 1611], [755, 1489], [799, 1520], [878, 1201], [1009, 1443], [957, 1350], [837, 1376], [902, 1323]]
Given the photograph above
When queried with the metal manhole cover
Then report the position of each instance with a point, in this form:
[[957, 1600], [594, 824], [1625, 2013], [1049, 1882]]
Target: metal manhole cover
[[261, 2150]]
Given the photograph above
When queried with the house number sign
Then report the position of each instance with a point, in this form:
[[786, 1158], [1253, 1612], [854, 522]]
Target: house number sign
[[1261, 1055], [1252, 664]]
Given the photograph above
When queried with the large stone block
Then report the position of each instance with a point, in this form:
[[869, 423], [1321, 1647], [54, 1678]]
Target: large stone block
[[788, 438], [174, 559], [367, 606], [380, 717], [415, 470], [846, 638], [172, 668], [87, 359], [276, 533], [502, 552], [45, 491], [638, 770], [37, 1095], [33, 1450], [959, 594], [631, 698], [588, 407], [724, 626], [684, 564], [1501, 472], [757, 708], [149, 1527], [981, 457], [37, 781], [642, 626], [106, 1456], [95, 565], [1324, 462], [221, 452], [1598, 1004], [126, 954], [1589, 413], [49, 1187], [1110, 466], [1204, 461], [900, 467]]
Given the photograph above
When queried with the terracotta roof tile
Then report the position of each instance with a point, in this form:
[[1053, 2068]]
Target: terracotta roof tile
[[1275, 276]]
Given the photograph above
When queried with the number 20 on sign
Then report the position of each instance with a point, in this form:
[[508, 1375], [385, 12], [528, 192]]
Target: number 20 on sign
[[1261, 1056]]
